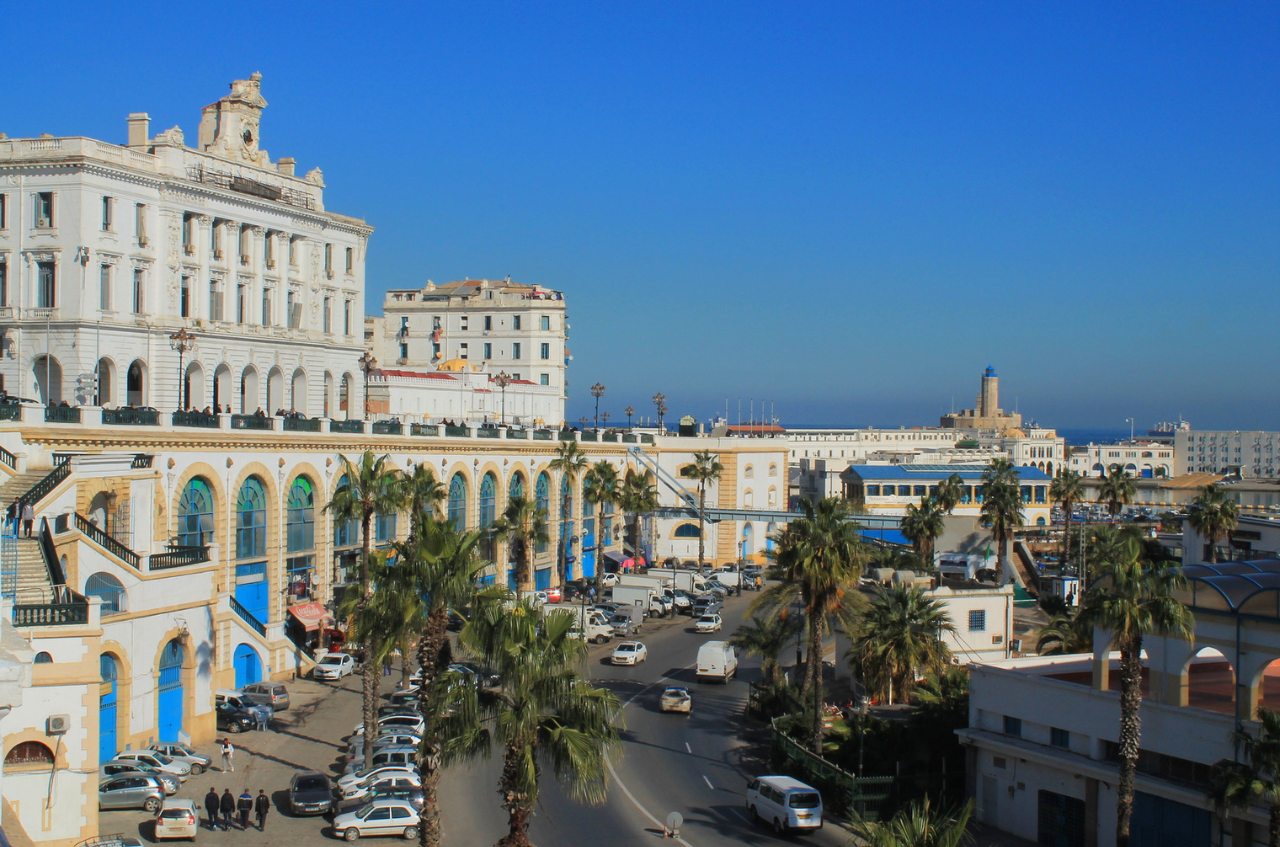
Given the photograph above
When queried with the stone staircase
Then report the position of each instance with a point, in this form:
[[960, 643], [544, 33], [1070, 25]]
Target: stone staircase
[[19, 484], [34, 585]]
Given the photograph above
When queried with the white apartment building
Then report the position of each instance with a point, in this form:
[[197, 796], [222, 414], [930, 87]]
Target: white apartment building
[[492, 327], [1141, 460], [463, 394], [107, 250], [1252, 453]]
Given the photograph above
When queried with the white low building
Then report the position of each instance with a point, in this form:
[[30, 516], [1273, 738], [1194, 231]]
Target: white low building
[[459, 392], [1141, 460]]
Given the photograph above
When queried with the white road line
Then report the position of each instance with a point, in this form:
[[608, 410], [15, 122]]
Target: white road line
[[687, 747], [708, 782]]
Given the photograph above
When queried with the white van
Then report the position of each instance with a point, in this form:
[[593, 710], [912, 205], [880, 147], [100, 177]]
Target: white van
[[784, 803], [717, 662]]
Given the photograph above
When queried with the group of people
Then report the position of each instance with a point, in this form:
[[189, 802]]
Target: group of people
[[223, 809], [22, 516]]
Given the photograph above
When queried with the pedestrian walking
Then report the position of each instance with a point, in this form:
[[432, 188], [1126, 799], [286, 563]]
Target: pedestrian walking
[[228, 757], [13, 516], [244, 806], [262, 805], [28, 518], [211, 805], [227, 805]]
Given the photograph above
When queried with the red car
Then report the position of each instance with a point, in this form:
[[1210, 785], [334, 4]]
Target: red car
[[553, 595]]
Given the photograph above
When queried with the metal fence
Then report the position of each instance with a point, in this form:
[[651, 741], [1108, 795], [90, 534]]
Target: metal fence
[[842, 792]]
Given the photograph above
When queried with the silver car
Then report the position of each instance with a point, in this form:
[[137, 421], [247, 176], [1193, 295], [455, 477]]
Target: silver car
[[183, 753], [130, 791], [117, 767]]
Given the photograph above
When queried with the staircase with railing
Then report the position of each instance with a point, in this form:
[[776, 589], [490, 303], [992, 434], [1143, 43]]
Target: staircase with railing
[[667, 479], [105, 541], [247, 616]]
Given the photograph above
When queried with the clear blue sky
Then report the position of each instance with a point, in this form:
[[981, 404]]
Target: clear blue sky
[[846, 209]]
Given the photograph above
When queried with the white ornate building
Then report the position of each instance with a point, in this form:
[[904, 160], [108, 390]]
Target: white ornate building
[[106, 250]]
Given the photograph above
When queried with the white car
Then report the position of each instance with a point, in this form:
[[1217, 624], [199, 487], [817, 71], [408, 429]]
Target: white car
[[378, 782], [183, 753], [355, 747], [676, 699], [380, 817], [356, 777], [609, 579], [412, 724], [177, 819], [159, 761], [332, 666], [708, 623], [629, 653]]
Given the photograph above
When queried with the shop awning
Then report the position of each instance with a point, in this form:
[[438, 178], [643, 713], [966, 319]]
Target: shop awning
[[310, 615]]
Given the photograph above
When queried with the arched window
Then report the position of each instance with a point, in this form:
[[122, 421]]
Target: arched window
[[773, 469], [458, 501], [488, 499], [345, 533], [43, 658], [542, 502], [300, 519], [251, 519], [107, 667], [566, 498], [517, 486], [106, 586], [195, 514], [749, 472], [687, 530], [29, 753]]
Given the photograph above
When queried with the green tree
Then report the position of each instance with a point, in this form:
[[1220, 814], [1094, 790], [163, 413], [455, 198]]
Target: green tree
[[1116, 490], [638, 496], [570, 462], [543, 716], [1066, 633], [1132, 599], [1067, 488], [767, 637], [1213, 515], [898, 637], [922, 525], [1238, 785], [423, 494], [1002, 503], [523, 525], [950, 492], [600, 489], [706, 468], [817, 561], [918, 825]]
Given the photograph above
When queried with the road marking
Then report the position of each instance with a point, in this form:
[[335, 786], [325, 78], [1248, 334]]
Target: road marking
[[708, 782], [687, 747]]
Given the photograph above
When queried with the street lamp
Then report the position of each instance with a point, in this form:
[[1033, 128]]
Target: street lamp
[[630, 411], [583, 420], [597, 391], [182, 341], [368, 364], [503, 379], [604, 416], [1129, 421], [659, 400]]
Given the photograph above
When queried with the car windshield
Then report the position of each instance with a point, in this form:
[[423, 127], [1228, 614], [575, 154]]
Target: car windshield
[[675, 692], [331, 660], [626, 648], [363, 811], [806, 800], [312, 783], [162, 759]]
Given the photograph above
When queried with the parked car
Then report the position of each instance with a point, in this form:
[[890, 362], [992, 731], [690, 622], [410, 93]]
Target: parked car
[[177, 819], [707, 605], [379, 817], [388, 709], [406, 756], [254, 704], [183, 753], [486, 677], [170, 782], [404, 696], [785, 803], [159, 761], [131, 791], [413, 796], [310, 793], [389, 781], [400, 723], [275, 690], [609, 579], [333, 666], [629, 653], [369, 774], [708, 623], [234, 719], [355, 748], [676, 699]]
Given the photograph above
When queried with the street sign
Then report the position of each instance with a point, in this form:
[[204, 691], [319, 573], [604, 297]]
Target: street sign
[[673, 824]]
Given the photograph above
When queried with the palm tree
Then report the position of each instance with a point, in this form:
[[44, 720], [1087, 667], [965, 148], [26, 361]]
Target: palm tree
[[544, 715], [600, 489], [922, 526], [1213, 516], [1067, 488], [706, 468], [522, 526], [423, 495], [950, 492], [570, 462], [1066, 633], [918, 825], [767, 638], [1002, 509], [437, 566], [637, 497], [373, 487], [818, 560], [1133, 599], [1238, 785], [1000, 471], [1116, 490], [900, 635]]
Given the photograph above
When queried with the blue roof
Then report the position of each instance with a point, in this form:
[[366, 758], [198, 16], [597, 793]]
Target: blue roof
[[926, 472]]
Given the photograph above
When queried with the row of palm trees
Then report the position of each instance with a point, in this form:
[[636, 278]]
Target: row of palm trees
[[924, 524]]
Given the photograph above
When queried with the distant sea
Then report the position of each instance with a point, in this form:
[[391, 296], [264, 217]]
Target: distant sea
[[1097, 436]]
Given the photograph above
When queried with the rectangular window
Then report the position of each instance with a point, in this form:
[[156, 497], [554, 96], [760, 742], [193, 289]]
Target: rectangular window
[[1039, 493], [351, 260], [346, 533], [404, 350], [328, 314], [488, 350], [266, 307], [546, 351], [346, 317], [328, 260], [1013, 726], [104, 287], [251, 533], [873, 491], [977, 620], [269, 250], [515, 351], [242, 299], [4, 211], [295, 310], [386, 528], [242, 245], [4, 282], [44, 209], [216, 300], [917, 491], [184, 300], [546, 323], [435, 321], [515, 322], [462, 350], [488, 322], [544, 379], [46, 285], [107, 203], [1025, 491], [300, 567], [139, 292], [140, 224], [463, 323], [1060, 738], [435, 349]]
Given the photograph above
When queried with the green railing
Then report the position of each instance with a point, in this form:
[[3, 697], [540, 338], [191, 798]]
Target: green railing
[[542, 435], [8, 458], [645, 438], [302, 424], [424, 429], [105, 541], [142, 461], [47, 483], [610, 437], [488, 433], [518, 433], [588, 435], [247, 617], [206, 420], [844, 793], [630, 438], [566, 435], [457, 431], [62, 414], [131, 417], [356, 427], [10, 412], [250, 422], [177, 557], [388, 428]]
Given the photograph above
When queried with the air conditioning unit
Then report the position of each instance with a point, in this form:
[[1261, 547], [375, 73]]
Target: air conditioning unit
[[42, 223], [58, 724]]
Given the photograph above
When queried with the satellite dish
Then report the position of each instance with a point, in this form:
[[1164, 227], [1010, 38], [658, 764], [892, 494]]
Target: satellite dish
[[673, 821]]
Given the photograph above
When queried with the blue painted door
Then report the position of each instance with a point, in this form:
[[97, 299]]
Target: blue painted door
[[588, 549], [542, 578], [248, 666], [107, 710], [169, 699], [251, 589], [511, 578]]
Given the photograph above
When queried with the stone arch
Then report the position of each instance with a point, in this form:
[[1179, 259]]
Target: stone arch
[[222, 387], [749, 472], [1098, 469], [748, 541], [518, 483], [136, 385], [194, 386], [175, 677], [1048, 468], [275, 390], [47, 373], [219, 494], [298, 392], [1206, 680], [250, 391], [748, 499], [106, 370]]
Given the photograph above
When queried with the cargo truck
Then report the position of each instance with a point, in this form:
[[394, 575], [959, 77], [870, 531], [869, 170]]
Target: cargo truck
[[644, 596], [688, 580]]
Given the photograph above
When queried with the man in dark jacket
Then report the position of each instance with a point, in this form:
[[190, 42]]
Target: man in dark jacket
[[262, 805], [244, 806], [227, 805], [211, 804]]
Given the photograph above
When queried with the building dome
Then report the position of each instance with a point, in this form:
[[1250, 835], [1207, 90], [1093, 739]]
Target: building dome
[[1014, 432], [456, 366]]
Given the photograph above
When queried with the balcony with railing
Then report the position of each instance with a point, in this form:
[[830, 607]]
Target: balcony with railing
[[66, 608], [105, 541], [353, 427], [178, 557], [424, 429], [250, 422], [388, 428], [207, 420], [62, 414], [131, 417], [457, 431], [301, 424], [10, 412]]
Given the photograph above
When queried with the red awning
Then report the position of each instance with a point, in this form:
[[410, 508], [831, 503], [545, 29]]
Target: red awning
[[310, 615]]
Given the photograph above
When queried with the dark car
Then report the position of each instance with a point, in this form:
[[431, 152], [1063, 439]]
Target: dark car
[[310, 793], [487, 677], [412, 796], [234, 719]]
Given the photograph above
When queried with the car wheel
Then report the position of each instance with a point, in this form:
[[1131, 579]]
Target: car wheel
[[755, 816], [352, 834], [235, 727], [600, 639], [778, 827], [197, 769], [152, 805], [410, 833]]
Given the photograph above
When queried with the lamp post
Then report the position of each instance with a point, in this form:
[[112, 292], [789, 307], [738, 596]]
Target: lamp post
[[1129, 421], [659, 401], [182, 341], [630, 411], [597, 391], [604, 416], [367, 364], [503, 379], [583, 420]]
